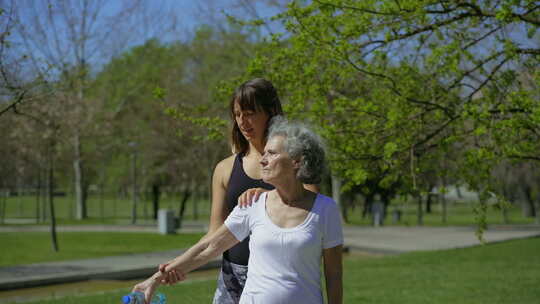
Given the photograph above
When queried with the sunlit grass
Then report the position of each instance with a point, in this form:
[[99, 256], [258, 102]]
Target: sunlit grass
[[458, 214], [110, 209], [497, 273], [115, 210], [34, 247]]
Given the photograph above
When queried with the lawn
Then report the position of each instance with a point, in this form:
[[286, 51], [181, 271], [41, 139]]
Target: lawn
[[34, 247], [497, 273], [115, 210], [104, 209], [458, 214]]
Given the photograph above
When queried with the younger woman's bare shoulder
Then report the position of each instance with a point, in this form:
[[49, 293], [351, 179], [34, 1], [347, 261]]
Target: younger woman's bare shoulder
[[226, 164], [224, 168]]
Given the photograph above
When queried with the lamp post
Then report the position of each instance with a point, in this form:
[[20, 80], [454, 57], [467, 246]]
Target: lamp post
[[133, 145]]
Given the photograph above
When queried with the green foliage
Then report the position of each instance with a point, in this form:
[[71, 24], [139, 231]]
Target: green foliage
[[396, 88], [201, 101], [159, 93]]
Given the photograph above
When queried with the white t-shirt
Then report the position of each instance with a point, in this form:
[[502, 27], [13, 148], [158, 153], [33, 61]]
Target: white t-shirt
[[284, 263]]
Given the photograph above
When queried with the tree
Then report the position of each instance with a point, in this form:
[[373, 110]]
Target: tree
[[178, 78], [137, 119], [396, 83], [64, 39]]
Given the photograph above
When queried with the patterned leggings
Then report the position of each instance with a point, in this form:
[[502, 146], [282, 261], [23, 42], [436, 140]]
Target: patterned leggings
[[230, 284]]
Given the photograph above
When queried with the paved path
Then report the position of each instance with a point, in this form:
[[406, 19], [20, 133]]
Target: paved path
[[405, 239], [385, 240]]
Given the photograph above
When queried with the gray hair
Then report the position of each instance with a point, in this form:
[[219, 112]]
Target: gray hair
[[302, 144]]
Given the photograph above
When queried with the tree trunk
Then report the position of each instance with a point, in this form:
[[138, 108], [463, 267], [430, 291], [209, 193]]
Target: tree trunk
[[156, 194], [419, 214], [197, 198], [529, 209], [81, 210], [3, 199], [20, 194], [38, 194], [186, 194], [537, 221], [444, 211], [50, 195], [44, 194], [336, 189], [134, 189], [194, 202], [346, 200], [336, 195], [429, 200]]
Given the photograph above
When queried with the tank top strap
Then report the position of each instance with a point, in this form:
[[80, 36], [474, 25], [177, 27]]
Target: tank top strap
[[238, 167]]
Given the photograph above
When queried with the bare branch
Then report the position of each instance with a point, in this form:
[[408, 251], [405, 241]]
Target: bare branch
[[528, 51], [476, 67], [428, 28], [13, 105], [431, 135], [363, 10], [525, 157], [489, 78]]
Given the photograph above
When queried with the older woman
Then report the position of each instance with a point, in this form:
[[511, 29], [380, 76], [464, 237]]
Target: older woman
[[290, 227]]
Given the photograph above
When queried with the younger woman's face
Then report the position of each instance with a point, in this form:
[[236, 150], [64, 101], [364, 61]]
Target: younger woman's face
[[252, 124]]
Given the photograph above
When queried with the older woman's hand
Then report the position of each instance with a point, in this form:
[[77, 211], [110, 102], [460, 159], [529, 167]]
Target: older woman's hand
[[170, 277], [148, 287], [246, 199]]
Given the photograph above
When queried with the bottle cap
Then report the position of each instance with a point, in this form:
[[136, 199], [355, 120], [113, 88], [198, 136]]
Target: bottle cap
[[126, 299]]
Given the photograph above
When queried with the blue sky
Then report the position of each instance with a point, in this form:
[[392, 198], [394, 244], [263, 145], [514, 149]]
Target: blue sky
[[191, 14], [117, 28]]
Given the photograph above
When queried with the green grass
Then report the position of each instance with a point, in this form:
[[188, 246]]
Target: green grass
[[506, 272], [498, 273], [107, 210], [115, 210], [201, 291], [34, 247], [458, 214]]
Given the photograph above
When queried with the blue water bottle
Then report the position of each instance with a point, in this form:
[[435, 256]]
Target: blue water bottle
[[137, 297]]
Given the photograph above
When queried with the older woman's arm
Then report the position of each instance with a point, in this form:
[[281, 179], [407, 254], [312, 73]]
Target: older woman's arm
[[201, 253], [333, 272]]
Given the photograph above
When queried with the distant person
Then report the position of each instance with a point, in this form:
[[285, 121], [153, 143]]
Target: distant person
[[291, 229], [237, 178]]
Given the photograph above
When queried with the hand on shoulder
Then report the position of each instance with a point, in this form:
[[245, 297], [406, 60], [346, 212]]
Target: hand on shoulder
[[250, 196]]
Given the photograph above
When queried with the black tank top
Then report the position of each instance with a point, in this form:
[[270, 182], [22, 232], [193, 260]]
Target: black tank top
[[239, 182]]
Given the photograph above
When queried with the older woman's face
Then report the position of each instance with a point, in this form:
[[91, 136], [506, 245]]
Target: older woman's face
[[276, 162]]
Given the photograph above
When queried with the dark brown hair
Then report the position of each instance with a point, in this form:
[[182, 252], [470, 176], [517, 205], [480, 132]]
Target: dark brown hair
[[254, 95]]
